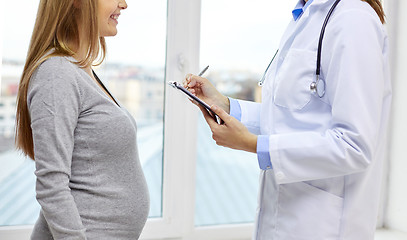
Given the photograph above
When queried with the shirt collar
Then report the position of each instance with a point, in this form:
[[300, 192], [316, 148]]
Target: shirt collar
[[300, 8]]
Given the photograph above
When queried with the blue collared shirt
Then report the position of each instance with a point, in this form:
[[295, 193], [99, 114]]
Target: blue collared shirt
[[263, 155], [300, 8]]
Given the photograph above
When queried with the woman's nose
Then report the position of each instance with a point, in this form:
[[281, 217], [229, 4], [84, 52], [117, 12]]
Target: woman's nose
[[123, 4]]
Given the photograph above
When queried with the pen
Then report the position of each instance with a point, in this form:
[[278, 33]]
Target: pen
[[201, 73]]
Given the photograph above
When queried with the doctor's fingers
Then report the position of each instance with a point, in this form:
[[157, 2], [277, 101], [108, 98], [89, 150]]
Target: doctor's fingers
[[219, 132], [208, 118], [226, 119], [233, 134], [222, 114], [193, 81], [187, 80]]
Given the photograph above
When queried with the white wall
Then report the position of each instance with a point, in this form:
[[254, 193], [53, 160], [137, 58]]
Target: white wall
[[396, 208]]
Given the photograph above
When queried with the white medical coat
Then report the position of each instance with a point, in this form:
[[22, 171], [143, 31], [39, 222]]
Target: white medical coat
[[327, 153]]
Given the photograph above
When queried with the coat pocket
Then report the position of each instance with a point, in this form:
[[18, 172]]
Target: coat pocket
[[307, 213], [293, 79]]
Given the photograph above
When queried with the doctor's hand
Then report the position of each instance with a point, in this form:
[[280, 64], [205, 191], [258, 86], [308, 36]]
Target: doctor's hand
[[232, 133], [203, 89]]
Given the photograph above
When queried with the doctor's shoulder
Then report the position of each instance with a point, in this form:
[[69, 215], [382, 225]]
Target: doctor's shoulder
[[360, 10], [357, 19]]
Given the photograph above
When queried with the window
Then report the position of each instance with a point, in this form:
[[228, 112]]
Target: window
[[160, 41], [238, 50], [135, 71], [16, 176], [129, 72]]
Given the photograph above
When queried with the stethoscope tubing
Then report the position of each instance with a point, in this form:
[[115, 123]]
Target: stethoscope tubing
[[321, 37], [316, 82]]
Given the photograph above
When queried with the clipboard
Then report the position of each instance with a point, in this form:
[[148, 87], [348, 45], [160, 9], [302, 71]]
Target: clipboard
[[178, 86]]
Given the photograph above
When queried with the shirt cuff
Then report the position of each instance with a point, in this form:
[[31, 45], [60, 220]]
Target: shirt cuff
[[263, 154], [235, 110]]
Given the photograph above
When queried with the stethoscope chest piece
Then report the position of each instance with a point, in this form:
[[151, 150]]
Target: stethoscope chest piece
[[318, 87]]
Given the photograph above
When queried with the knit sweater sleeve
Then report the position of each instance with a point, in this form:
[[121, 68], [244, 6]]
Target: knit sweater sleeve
[[54, 102]]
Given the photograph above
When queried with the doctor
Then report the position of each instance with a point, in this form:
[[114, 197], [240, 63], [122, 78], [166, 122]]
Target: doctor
[[321, 143]]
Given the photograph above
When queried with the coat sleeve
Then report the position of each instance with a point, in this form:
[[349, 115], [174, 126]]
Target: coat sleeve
[[250, 115], [54, 102], [355, 69]]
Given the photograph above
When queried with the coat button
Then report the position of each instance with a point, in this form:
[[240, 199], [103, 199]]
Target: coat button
[[280, 176]]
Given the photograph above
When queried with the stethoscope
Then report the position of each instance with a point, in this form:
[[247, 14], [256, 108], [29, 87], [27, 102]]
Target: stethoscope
[[318, 85]]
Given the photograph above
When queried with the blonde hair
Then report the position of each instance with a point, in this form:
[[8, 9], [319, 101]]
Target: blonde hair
[[58, 24]]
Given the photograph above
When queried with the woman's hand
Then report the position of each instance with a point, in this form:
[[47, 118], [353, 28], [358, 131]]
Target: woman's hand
[[204, 90], [232, 133]]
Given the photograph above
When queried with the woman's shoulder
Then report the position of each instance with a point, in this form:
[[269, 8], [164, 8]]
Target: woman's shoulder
[[56, 68], [57, 78], [57, 65], [56, 73]]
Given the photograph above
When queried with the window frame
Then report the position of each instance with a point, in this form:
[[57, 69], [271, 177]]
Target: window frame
[[180, 126], [183, 38]]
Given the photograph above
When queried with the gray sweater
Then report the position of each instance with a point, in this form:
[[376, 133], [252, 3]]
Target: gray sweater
[[90, 183]]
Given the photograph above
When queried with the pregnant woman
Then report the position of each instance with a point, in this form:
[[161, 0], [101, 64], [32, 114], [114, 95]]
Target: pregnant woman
[[90, 183]]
